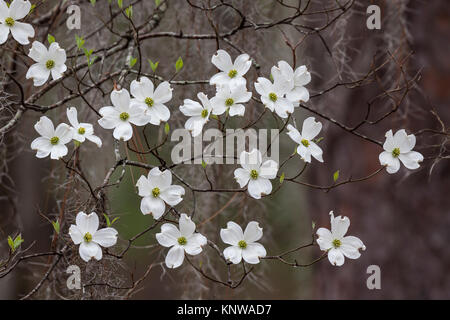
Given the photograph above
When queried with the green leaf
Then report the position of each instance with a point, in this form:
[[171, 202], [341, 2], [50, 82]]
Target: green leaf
[[87, 52], [336, 176], [166, 128], [114, 220], [91, 61], [179, 64], [93, 2], [282, 178], [32, 8], [271, 77], [157, 2], [319, 139], [80, 42], [14, 244], [203, 164], [132, 62], [11, 243], [313, 224], [55, 225], [120, 3], [154, 66], [50, 38], [129, 12], [108, 223]]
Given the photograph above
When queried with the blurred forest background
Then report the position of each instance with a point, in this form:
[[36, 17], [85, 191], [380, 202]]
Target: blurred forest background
[[403, 219]]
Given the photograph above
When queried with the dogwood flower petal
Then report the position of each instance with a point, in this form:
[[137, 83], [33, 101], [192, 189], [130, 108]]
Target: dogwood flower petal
[[194, 244], [253, 252], [411, 159], [232, 234], [311, 128], [106, 237], [259, 187], [242, 176], [233, 254], [175, 257], [187, 227], [253, 232], [336, 257], [89, 250], [325, 240], [172, 195], [87, 223], [76, 234], [154, 206], [168, 236]]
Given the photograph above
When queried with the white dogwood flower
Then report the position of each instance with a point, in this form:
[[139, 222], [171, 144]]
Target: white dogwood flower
[[82, 131], [272, 96], [181, 240], [157, 190], [336, 243], [9, 16], [231, 98], [243, 244], [398, 148], [296, 81], [121, 115], [152, 100], [230, 73], [256, 173], [306, 146], [51, 61], [52, 142], [85, 233], [198, 113]]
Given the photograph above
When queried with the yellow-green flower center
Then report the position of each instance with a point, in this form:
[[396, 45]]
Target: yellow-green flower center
[[88, 237], [54, 140], [232, 73], [242, 244], [396, 152], [124, 116], [204, 113], [50, 64], [336, 243], [182, 241], [254, 174], [305, 143], [156, 192], [273, 96], [149, 102], [81, 130], [9, 22], [229, 102]]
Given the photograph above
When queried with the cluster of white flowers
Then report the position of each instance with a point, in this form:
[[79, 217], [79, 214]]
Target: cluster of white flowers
[[53, 141], [184, 239], [281, 95], [146, 106], [231, 93]]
